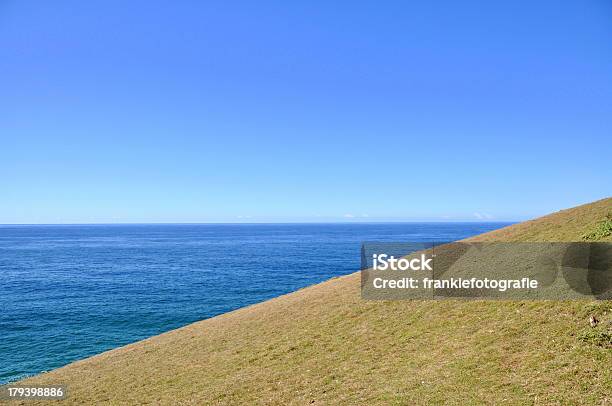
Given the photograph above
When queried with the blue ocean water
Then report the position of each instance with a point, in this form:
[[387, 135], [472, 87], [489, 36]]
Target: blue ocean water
[[69, 292]]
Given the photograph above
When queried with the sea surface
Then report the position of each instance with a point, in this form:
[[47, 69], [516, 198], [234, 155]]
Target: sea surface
[[69, 292]]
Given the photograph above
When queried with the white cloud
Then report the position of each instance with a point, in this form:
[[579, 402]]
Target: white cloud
[[348, 216]]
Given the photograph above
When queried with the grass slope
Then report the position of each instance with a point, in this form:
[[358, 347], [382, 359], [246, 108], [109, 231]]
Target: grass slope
[[323, 345]]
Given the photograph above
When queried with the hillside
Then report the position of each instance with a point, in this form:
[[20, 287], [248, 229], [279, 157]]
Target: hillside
[[324, 344]]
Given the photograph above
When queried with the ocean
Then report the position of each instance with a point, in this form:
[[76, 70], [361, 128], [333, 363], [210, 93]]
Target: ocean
[[71, 291]]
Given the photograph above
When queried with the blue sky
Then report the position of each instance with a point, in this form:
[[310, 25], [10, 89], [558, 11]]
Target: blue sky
[[147, 111]]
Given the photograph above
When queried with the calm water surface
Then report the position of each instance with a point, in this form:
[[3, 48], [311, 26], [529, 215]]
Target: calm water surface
[[69, 292]]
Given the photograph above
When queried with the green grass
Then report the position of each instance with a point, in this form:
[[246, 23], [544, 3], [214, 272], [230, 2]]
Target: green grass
[[601, 337], [602, 230]]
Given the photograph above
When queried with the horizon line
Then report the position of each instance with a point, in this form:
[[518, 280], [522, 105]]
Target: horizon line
[[477, 221]]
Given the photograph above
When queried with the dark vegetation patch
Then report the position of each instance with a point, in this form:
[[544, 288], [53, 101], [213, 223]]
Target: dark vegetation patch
[[602, 230]]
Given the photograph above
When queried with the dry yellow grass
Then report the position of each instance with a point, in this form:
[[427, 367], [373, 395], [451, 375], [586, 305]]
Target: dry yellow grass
[[325, 345]]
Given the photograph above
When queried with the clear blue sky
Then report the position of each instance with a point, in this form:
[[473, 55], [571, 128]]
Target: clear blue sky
[[189, 111]]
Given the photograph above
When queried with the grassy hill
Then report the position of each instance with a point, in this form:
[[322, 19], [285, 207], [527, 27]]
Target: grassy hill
[[324, 344]]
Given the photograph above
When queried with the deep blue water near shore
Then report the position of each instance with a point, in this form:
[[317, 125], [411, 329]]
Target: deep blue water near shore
[[68, 292]]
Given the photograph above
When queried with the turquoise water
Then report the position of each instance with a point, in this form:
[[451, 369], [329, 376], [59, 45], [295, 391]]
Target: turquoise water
[[69, 292]]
